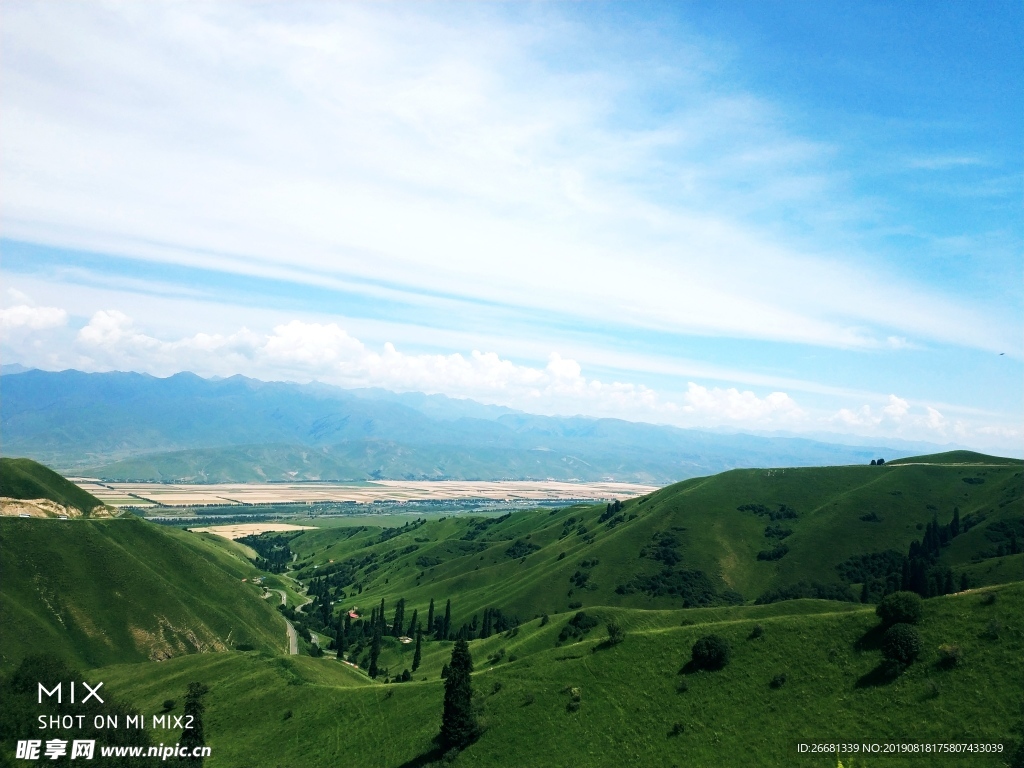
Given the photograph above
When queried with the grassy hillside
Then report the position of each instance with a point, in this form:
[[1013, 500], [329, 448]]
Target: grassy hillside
[[98, 592], [645, 556], [636, 707], [959, 457], [27, 479]]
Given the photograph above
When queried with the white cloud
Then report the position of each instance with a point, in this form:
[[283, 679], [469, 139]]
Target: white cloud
[[436, 152], [897, 408], [304, 351], [25, 317], [733, 405]]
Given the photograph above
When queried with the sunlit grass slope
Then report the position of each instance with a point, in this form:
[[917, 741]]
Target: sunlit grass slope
[[633, 709], [101, 591], [27, 479], [569, 556]]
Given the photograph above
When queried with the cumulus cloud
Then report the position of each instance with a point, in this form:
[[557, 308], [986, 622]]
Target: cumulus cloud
[[326, 352], [24, 315], [897, 416], [733, 405]]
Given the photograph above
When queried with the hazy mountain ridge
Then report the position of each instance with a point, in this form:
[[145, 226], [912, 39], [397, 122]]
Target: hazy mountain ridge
[[184, 427]]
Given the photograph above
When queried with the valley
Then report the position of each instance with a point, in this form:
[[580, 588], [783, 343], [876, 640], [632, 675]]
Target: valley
[[784, 565]]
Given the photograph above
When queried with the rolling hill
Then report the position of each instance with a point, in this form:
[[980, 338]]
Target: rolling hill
[[548, 704], [29, 480], [667, 569], [103, 591], [710, 540]]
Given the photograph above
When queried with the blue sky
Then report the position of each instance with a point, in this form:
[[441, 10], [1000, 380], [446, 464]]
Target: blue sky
[[772, 216]]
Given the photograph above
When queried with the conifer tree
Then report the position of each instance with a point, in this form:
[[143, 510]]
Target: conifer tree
[[458, 725], [954, 527], [430, 616], [446, 627], [342, 642], [413, 623], [193, 737], [399, 623], [374, 653], [418, 655]]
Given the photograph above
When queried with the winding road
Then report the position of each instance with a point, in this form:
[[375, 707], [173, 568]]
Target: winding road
[[293, 636]]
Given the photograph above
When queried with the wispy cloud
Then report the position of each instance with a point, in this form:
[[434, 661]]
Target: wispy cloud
[[446, 153]]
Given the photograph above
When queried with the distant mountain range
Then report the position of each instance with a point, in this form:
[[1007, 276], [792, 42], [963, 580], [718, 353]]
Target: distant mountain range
[[132, 426]]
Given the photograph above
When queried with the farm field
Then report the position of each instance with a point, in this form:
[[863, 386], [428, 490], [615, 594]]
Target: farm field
[[185, 495], [250, 529]]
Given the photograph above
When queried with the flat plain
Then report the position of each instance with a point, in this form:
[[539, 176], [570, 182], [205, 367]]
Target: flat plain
[[187, 495]]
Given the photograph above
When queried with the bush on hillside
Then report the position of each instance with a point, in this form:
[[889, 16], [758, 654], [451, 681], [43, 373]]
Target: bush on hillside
[[577, 626], [803, 589], [710, 652], [900, 608], [950, 655], [902, 643]]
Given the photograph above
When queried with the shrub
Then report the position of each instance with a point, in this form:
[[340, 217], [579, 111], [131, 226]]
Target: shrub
[[710, 652], [677, 729], [756, 632], [900, 608], [891, 668], [778, 681], [682, 686], [169, 704], [992, 630], [950, 655], [578, 626], [615, 634], [902, 643]]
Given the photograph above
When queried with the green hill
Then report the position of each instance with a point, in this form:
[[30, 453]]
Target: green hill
[[104, 591], [27, 479], [704, 541], [959, 457], [635, 706]]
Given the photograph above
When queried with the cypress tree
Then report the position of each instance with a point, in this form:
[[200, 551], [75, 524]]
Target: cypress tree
[[964, 584], [430, 616], [865, 595], [446, 626], [948, 587], [341, 643], [193, 737], [458, 725], [399, 623], [374, 653], [380, 617], [954, 527], [412, 624], [418, 655]]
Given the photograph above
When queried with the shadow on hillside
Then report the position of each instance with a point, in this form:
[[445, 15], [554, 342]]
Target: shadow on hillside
[[883, 674], [422, 761], [689, 668], [871, 640]]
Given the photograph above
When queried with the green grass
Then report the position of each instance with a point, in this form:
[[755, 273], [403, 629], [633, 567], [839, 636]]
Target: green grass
[[27, 479], [629, 698], [714, 537], [100, 591], [959, 457]]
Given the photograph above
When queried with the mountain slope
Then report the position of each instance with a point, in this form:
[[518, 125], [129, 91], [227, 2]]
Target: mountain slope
[[105, 591], [27, 479], [653, 552], [125, 426], [266, 712]]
